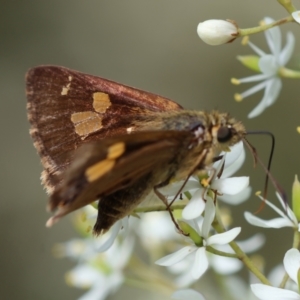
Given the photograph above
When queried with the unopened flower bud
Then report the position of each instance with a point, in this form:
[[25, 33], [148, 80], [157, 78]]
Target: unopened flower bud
[[296, 198], [217, 32], [296, 16]]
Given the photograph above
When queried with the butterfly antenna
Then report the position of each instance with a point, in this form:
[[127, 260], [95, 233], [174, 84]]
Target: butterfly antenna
[[266, 169]]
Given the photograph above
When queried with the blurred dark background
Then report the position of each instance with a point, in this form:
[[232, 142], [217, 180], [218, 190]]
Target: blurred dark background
[[151, 45]]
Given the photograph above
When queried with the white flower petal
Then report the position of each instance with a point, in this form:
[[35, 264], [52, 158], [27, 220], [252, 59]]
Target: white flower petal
[[276, 275], [184, 279], [195, 207], [223, 238], [234, 167], [84, 276], [291, 263], [287, 210], [275, 208], [234, 160], [268, 65], [95, 293], [254, 78], [265, 292], [155, 229], [257, 110], [232, 185], [256, 49], [102, 289], [272, 91], [253, 243], [287, 51], [273, 223], [254, 89], [273, 87], [237, 198], [111, 236], [183, 270], [200, 264], [291, 215], [287, 213], [124, 253], [197, 224], [273, 37], [209, 216], [171, 189], [225, 265], [296, 16], [187, 294], [234, 153], [175, 257]]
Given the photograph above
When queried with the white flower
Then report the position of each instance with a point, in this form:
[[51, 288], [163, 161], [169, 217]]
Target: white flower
[[233, 190], [154, 229], [109, 237], [220, 264], [198, 253], [291, 263], [270, 66], [217, 32], [296, 16], [225, 265], [187, 294], [101, 273], [287, 217], [99, 285]]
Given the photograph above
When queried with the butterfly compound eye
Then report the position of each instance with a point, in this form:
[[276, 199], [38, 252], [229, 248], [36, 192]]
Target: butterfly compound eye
[[224, 134]]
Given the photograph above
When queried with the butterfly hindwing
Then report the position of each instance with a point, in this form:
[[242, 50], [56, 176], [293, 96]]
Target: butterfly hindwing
[[102, 168]]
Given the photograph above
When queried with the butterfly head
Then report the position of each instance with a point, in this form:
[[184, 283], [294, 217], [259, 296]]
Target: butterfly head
[[226, 131]]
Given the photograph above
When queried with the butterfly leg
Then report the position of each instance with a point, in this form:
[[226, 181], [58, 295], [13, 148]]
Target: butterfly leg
[[207, 181], [169, 209]]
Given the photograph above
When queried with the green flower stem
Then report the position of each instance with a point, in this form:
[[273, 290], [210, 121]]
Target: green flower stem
[[296, 244], [218, 226], [288, 73], [288, 5], [248, 31], [221, 253], [145, 209], [284, 281]]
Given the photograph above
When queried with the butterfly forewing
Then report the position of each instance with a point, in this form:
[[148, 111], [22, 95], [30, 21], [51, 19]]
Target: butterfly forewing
[[67, 108]]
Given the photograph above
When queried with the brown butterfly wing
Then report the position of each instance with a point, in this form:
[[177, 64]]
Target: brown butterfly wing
[[67, 108], [96, 172]]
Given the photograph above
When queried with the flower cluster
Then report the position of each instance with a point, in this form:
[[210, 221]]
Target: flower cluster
[[206, 243]]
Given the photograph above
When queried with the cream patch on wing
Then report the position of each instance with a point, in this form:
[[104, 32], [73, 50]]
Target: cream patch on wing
[[65, 89], [86, 122], [101, 102]]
